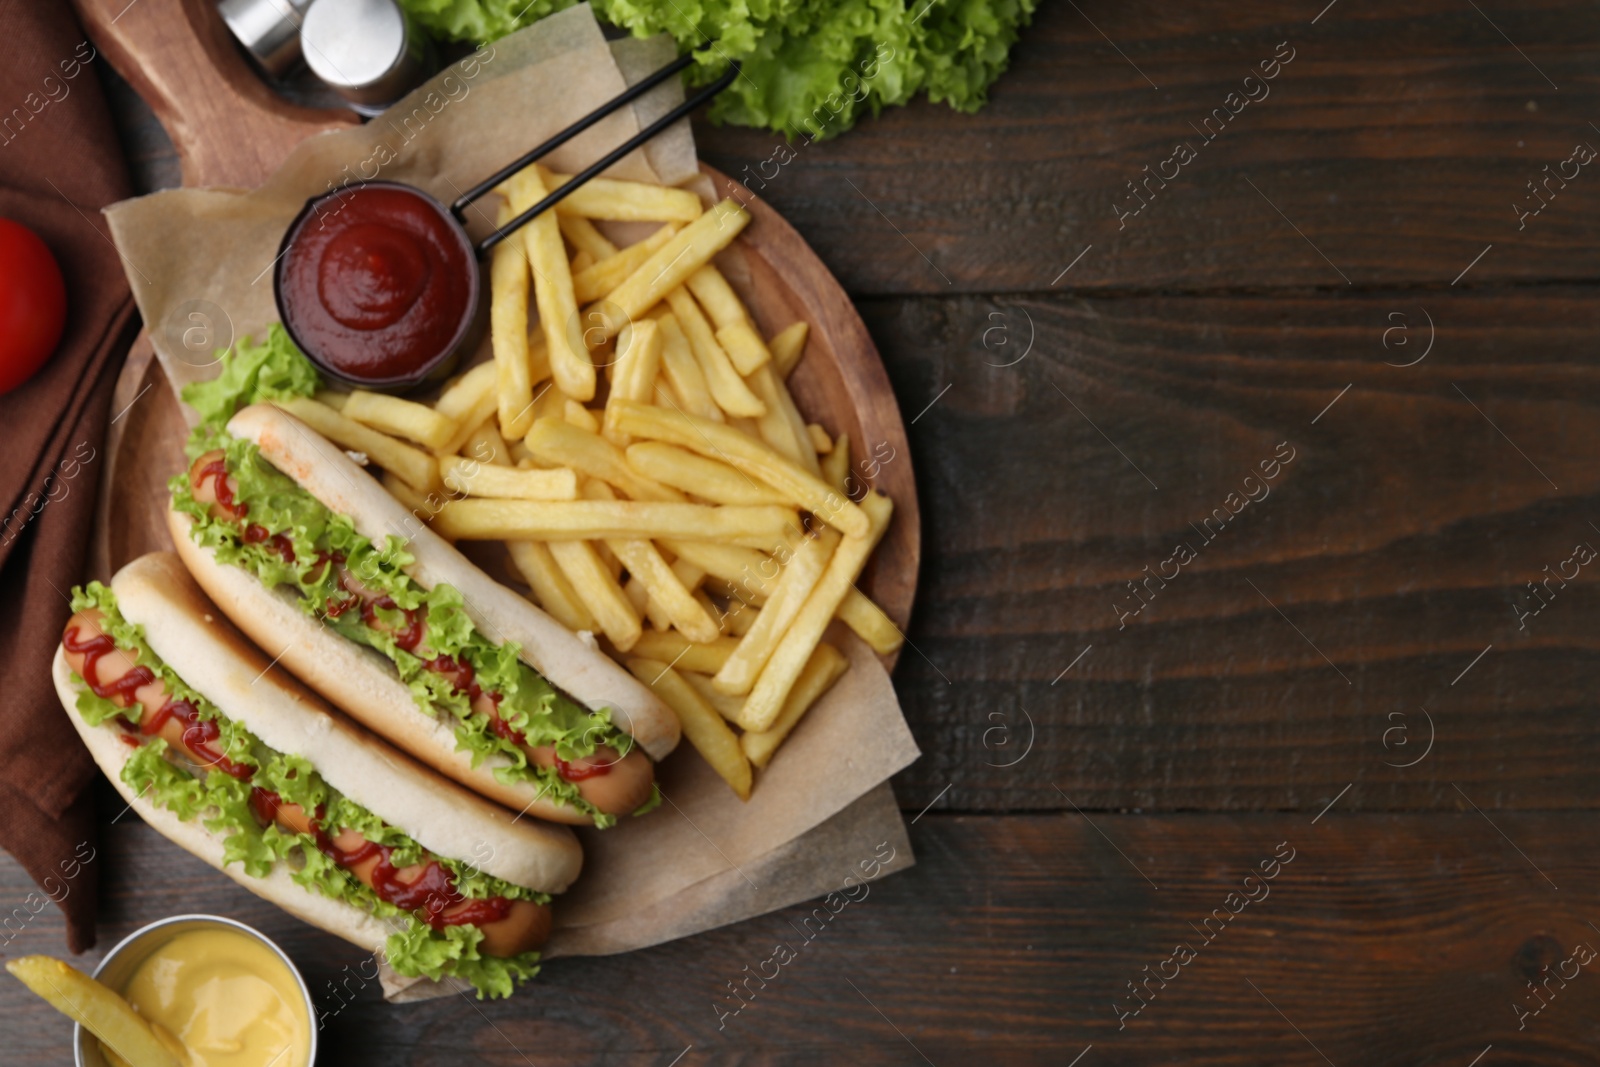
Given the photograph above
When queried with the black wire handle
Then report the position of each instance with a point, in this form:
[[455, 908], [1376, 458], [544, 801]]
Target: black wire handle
[[632, 93]]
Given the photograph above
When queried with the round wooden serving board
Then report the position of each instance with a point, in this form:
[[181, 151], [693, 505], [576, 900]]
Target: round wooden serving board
[[229, 128]]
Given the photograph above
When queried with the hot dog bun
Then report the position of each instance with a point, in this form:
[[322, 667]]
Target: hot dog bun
[[189, 635], [580, 670], [363, 682], [344, 920]]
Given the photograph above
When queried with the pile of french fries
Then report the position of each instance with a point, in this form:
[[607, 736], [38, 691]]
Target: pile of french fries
[[634, 445]]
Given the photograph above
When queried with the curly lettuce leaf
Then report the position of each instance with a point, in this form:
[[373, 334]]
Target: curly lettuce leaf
[[152, 776], [811, 68], [272, 370], [454, 951]]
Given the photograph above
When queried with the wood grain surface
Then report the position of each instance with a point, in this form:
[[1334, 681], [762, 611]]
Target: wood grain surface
[[1395, 140], [1385, 940], [1351, 642]]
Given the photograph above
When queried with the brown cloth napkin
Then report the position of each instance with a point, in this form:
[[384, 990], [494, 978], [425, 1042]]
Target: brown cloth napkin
[[60, 163]]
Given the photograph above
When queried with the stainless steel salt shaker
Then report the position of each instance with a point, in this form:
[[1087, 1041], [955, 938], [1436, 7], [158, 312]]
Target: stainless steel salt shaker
[[268, 29], [368, 51]]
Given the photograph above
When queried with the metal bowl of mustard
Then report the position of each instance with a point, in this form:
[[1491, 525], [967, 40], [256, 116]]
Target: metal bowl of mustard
[[231, 995]]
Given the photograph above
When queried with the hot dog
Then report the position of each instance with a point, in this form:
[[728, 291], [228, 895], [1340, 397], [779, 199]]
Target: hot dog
[[308, 554], [254, 774]]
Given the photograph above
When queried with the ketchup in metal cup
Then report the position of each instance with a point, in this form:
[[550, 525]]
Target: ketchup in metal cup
[[378, 285]]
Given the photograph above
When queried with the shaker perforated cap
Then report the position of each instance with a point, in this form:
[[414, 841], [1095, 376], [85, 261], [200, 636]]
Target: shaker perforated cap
[[368, 51]]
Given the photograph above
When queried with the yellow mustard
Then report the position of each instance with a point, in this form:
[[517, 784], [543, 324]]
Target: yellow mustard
[[227, 997]]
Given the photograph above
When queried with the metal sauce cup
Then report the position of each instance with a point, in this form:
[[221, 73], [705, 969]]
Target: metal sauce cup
[[125, 957], [469, 330]]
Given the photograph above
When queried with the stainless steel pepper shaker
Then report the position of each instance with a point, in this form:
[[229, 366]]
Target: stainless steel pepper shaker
[[268, 29], [368, 51]]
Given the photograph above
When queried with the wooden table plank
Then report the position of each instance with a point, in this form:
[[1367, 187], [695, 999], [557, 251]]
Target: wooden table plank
[[1396, 139], [1386, 939], [1397, 544]]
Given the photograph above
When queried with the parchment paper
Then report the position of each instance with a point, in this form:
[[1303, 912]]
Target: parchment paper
[[705, 858], [209, 252]]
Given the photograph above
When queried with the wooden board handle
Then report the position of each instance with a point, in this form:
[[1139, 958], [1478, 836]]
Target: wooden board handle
[[228, 126]]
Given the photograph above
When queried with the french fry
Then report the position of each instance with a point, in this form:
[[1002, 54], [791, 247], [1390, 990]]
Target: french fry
[[740, 617], [676, 649], [538, 358], [708, 479], [665, 592], [594, 585], [711, 609], [559, 443], [639, 597], [819, 438], [786, 436], [663, 395], [752, 457], [749, 573], [485, 445], [778, 677], [583, 236], [593, 283], [744, 346], [552, 289], [670, 265], [579, 262], [106, 1015], [490, 519], [787, 346], [704, 728], [683, 374], [415, 467], [768, 382], [870, 623], [508, 329], [609, 558], [333, 398], [787, 597], [467, 401], [633, 376], [691, 576], [816, 678], [726, 706], [623, 201], [423, 506], [731, 392], [575, 414], [714, 293], [836, 467], [662, 584], [474, 478], [550, 585]]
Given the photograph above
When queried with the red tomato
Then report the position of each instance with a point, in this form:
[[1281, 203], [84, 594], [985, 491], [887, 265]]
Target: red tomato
[[33, 304]]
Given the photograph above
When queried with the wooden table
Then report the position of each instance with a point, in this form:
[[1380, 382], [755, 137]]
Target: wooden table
[[1346, 669]]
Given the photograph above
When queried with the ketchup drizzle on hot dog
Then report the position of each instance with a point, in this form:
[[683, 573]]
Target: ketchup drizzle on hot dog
[[409, 636], [217, 471], [433, 892], [121, 691], [198, 734], [255, 533]]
